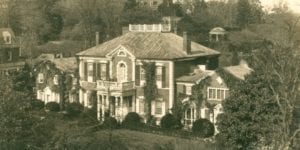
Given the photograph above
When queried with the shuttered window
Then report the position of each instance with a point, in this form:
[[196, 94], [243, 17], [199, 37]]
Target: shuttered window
[[164, 79], [98, 73], [103, 71], [94, 72], [137, 75], [85, 68]]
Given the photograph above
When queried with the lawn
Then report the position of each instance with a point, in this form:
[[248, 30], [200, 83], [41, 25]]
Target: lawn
[[135, 140]]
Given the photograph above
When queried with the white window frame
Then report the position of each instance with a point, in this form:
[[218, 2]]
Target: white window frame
[[142, 76], [55, 79], [215, 95], [41, 78], [90, 72], [159, 73], [188, 89]]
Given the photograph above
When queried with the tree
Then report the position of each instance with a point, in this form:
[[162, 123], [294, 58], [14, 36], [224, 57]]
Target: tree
[[168, 8], [280, 71], [18, 127], [244, 13], [24, 81], [150, 88], [250, 116]]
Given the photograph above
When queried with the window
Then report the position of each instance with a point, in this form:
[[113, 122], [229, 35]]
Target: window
[[103, 71], [217, 93], [159, 76], [122, 72], [41, 78], [122, 54], [158, 107], [90, 70], [55, 80], [10, 56], [142, 75], [188, 90]]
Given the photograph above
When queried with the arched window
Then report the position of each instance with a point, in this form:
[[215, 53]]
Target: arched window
[[122, 72]]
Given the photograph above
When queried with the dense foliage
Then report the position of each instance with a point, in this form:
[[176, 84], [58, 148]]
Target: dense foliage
[[132, 121], [74, 109], [169, 121], [250, 115], [203, 128], [52, 106], [110, 123], [150, 88], [37, 104]]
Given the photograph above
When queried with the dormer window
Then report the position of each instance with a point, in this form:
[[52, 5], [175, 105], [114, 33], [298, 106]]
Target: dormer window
[[7, 37], [55, 80], [122, 54], [41, 78]]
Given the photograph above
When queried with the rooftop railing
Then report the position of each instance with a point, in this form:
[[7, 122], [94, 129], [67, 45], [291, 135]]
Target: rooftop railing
[[149, 27]]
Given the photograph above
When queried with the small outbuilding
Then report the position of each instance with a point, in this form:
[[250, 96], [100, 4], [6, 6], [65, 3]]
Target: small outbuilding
[[217, 34]]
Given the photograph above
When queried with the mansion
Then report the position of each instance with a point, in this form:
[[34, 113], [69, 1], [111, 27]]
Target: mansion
[[111, 76]]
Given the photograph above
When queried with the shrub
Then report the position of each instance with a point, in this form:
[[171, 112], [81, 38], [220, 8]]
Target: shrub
[[52, 106], [37, 104], [169, 121], [74, 109], [132, 121], [203, 128], [110, 123]]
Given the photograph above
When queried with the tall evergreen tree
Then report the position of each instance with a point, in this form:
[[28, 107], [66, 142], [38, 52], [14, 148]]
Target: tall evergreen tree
[[244, 13]]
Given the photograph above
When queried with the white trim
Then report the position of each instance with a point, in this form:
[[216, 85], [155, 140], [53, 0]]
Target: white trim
[[216, 91], [186, 84], [119, 48], [133, 69], [171, 84]]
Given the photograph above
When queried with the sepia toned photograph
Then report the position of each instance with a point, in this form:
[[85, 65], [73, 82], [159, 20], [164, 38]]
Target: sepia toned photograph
[[149, 74]]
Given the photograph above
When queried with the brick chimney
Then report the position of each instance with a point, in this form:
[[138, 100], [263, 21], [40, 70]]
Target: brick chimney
[[97, 38], [186, 43]]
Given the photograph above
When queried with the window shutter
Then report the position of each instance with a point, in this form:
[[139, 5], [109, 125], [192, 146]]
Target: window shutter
[[98, 71], [85, 71], [94, 72], [137, 75], [163, 77], [184, 89], [107, 71]]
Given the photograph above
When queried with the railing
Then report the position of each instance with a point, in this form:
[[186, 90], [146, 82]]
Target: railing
[[109, 85], [149, 28], [88, 85]]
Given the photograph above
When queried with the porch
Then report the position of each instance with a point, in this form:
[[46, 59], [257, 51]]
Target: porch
[[116, 106]]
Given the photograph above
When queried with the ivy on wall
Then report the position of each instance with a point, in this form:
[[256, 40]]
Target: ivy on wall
[[65, 81], [150, 88]]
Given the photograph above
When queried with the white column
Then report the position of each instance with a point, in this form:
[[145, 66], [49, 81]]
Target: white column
[[121, 105], [133, 103], [171, 85], [98, 107], [217, 37], [103, 106], [133, 69]]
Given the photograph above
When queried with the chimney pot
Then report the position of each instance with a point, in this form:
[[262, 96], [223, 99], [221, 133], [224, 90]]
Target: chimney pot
[[186, 43]]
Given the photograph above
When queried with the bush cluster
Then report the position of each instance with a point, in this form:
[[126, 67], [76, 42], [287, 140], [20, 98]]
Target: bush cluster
[[37, 104], [52, 106], [132, 121], [203, 128], [110, 123], [74, 109], [169, 121]]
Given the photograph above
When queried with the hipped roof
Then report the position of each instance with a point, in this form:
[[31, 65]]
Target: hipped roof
[[150, 45]]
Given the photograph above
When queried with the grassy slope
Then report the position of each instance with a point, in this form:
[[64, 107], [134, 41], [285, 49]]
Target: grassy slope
[[135, 140]]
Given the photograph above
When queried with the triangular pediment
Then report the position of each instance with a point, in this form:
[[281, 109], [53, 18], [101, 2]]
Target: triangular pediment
[[120, 51]]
